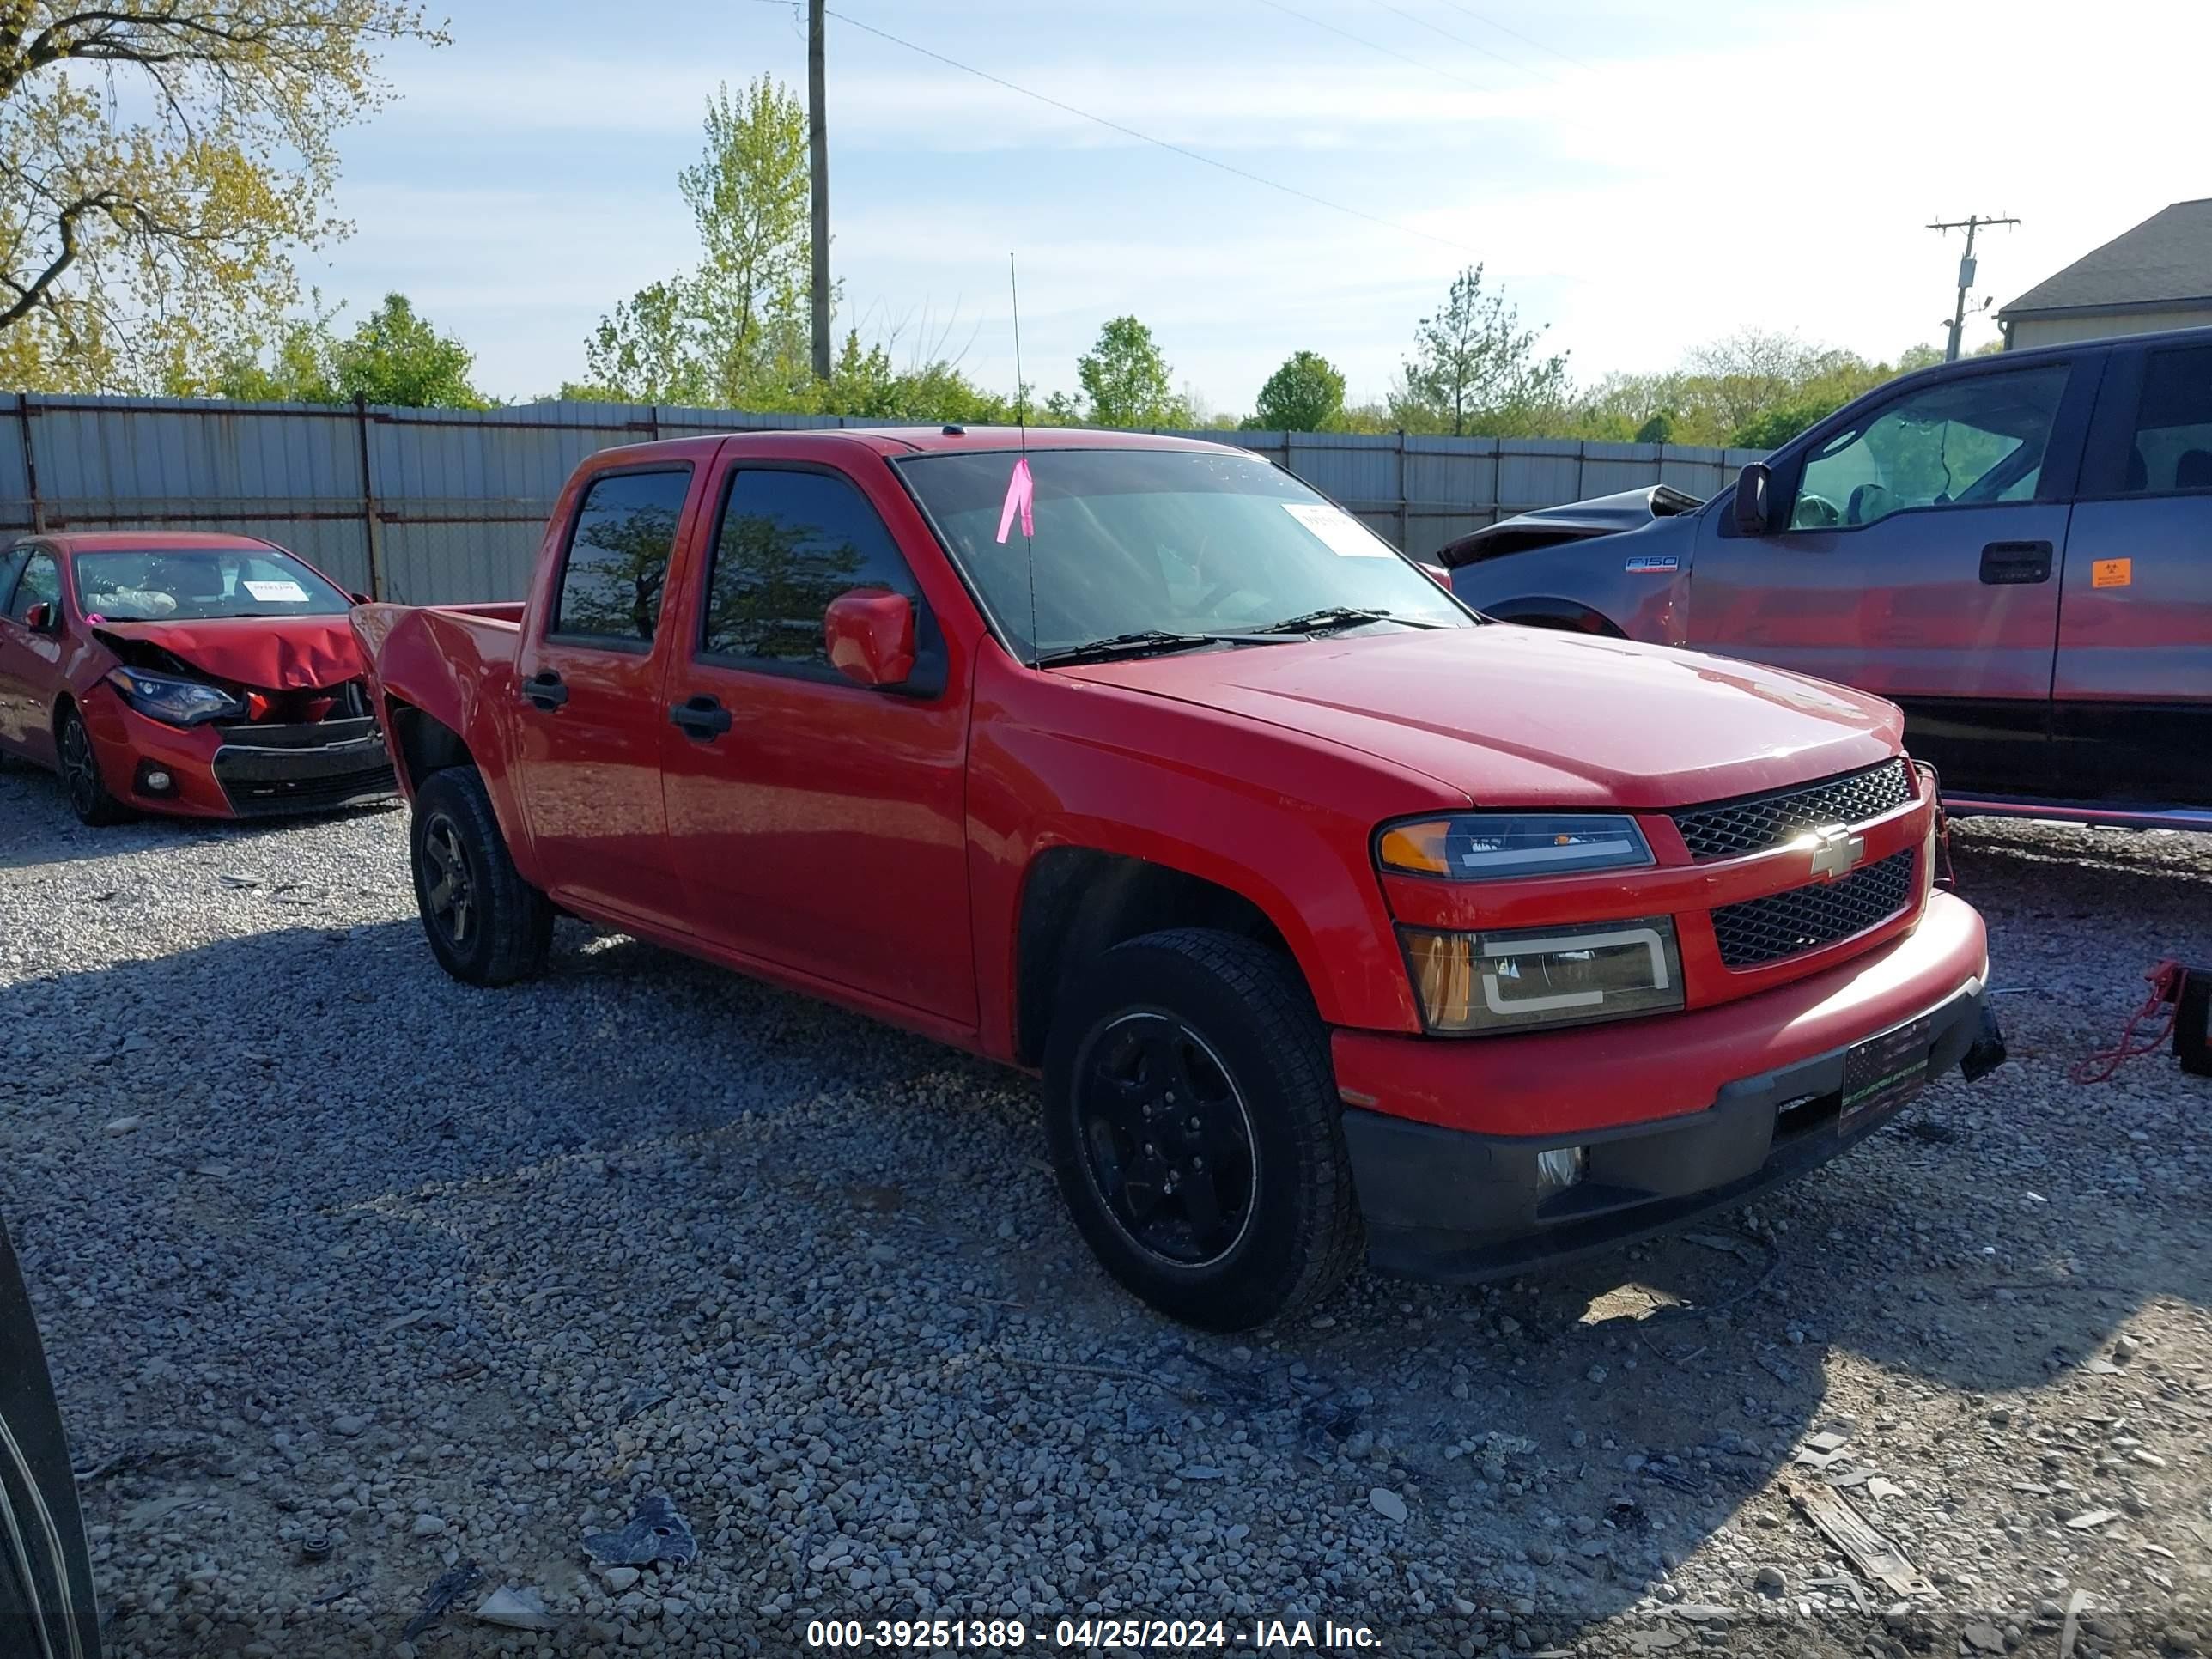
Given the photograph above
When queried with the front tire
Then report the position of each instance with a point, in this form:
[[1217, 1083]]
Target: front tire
[[1191, 1113], [78, 763], [486, 924]]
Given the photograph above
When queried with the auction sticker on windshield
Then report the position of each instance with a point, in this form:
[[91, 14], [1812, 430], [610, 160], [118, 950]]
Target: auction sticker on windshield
[[276, 592], [1344, 535]]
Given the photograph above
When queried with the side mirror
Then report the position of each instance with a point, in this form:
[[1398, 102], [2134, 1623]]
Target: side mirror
[[1751, 500], [870, 636], [43, 618], [359, 599]]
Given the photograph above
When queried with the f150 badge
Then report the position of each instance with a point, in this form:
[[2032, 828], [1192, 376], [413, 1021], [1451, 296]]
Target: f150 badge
[[1836, 851], [1653, 564]]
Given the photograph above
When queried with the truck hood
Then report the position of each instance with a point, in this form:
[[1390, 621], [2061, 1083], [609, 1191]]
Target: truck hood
[[270, 653], [1532, 717], [1602, 516]]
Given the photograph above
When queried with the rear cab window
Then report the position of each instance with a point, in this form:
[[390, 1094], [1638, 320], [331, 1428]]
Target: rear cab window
[[2171, 450], [614, 572]]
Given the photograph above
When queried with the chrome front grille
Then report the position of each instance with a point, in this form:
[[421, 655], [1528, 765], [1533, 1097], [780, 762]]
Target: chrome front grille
[[1758, 823]]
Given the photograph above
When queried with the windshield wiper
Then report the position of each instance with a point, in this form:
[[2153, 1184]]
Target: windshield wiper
[[1143, 642], [1340, 616]]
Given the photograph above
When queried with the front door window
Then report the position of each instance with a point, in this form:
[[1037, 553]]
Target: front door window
[[1956, 443]]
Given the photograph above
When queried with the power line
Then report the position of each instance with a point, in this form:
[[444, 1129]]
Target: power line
[[1527, 39], [1362, 40], [1435, 28], [1147, 138]]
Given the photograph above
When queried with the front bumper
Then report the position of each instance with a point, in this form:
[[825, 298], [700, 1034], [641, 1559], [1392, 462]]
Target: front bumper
[[237, 771], [1469, 1198]]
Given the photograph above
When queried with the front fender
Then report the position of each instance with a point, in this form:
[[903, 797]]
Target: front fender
[[1282, 818]]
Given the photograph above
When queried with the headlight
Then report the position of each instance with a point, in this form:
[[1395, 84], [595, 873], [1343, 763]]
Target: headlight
[[1500, 981], [1493, 846], [173, 701]]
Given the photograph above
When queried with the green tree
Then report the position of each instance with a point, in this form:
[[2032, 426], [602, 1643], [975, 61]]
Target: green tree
[[397, 357], [162, 161], [1303, 395], [865, 384], [732, 331], [647, 350], [297, 369], [1127, 380], [749, 197], [1475, 369]]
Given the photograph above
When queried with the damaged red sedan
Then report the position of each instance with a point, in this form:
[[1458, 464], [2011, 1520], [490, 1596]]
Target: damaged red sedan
[[205, 676]]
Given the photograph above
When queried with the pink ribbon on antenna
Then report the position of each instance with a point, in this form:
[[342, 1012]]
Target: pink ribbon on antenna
[[1021, 492]]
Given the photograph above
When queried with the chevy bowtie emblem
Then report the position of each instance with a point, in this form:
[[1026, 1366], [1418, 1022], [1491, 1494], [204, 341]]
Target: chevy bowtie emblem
[[1836, 851]]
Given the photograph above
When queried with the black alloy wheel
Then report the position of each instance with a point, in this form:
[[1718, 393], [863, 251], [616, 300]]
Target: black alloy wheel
[[80, 769], [1192, 1117], [1167, 1139], [486, 924], [450, 902]]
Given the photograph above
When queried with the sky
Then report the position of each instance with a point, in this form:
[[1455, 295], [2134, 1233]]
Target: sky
[[1637, 177]]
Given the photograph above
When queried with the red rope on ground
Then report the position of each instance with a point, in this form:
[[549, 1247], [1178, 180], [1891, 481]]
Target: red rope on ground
[[2164, 979]]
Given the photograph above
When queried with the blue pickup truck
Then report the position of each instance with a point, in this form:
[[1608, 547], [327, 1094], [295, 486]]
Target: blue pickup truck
[[2015, 548]]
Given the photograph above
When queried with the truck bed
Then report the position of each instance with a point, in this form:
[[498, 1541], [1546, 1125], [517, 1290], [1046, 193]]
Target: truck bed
[[422, 655]]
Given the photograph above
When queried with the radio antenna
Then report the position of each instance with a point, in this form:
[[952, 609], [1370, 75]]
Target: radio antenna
[[1021, 426]]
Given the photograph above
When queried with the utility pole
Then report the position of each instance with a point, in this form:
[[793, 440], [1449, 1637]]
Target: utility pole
[[818, 169], [1969, 224]]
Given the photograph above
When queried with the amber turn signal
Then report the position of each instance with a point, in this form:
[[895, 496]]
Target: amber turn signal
[[1417, 846]]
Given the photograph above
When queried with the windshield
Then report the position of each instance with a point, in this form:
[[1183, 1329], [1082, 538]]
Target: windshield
[[193, 584], [1181, 542]]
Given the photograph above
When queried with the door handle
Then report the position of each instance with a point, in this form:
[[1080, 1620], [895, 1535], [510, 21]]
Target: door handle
[[2012, 564], [700, 717], [545, 690]]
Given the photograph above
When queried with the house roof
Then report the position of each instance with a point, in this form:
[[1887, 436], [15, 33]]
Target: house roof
[[2166, 258]]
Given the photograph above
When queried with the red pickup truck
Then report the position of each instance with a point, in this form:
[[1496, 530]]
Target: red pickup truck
[[1117, 758]]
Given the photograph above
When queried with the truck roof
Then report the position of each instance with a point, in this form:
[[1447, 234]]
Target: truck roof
[[891, 441]]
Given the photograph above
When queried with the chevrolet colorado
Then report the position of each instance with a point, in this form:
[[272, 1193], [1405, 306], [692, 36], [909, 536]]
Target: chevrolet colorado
[[1118, 759]]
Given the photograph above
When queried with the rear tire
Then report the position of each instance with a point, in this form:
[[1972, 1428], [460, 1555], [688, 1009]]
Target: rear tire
[[78, 763], [1191, 1112], [486, 924]]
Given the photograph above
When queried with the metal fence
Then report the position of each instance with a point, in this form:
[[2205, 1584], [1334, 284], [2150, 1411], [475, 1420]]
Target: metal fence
[[445, 506]]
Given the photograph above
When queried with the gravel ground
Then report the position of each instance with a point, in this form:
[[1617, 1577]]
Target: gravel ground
[[326, 1244]]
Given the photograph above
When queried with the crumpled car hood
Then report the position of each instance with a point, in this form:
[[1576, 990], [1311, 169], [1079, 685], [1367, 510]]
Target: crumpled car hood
[[272, 653], [1532, 717], [1576, 521]]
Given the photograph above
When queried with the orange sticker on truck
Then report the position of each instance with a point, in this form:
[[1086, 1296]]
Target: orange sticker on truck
[[2112, 572]]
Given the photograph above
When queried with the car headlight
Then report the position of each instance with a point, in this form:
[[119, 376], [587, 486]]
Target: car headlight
[[1510, 981], [174, 702], [1494, 846]]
